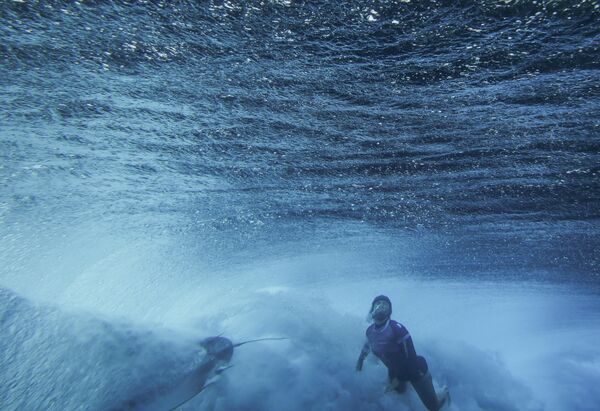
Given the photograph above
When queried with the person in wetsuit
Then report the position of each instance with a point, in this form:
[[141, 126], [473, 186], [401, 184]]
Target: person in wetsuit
[[391, 342]]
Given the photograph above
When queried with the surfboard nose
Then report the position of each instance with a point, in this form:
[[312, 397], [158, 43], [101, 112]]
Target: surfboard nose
[[219, 347]]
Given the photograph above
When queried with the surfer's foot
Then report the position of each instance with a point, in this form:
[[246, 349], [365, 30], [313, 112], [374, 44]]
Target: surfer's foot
[[444, 397]]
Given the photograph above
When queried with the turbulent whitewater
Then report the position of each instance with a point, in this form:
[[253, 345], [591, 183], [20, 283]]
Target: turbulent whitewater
[[175, 170]]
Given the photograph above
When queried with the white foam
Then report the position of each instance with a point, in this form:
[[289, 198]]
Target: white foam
[[498, 346]]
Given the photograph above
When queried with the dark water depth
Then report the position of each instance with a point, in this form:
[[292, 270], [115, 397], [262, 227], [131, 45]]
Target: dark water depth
[[470, 127]]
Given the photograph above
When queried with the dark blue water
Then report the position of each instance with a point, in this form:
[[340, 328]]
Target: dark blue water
[[474, 121], [152, 150]]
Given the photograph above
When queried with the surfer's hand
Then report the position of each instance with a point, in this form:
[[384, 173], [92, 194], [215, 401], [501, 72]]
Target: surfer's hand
[[359, 364], [392, 385], [361, 359]]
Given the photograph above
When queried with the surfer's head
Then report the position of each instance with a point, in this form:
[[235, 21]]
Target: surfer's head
[[381, 309]]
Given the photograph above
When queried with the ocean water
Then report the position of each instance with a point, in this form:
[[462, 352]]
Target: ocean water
[[173, 170]]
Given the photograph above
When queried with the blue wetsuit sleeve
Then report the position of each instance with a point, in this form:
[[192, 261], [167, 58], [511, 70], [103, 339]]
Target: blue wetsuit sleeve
[[404, 340], [416, 366], [363, 354], [366, 349], [409, 349]]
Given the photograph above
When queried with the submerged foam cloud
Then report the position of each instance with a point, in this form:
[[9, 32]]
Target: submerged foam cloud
[[495, 350], [314, 368], [52, 357]]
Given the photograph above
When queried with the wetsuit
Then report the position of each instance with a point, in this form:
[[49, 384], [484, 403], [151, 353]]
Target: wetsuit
[[392, 344]]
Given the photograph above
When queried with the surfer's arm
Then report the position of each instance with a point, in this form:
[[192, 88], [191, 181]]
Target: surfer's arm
[[411, 354], [363, 354], [404, 340]]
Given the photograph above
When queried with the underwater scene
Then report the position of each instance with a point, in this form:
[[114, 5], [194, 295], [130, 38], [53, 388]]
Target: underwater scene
[[201, 200]]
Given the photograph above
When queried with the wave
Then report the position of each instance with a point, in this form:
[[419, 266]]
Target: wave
[[60, 360]]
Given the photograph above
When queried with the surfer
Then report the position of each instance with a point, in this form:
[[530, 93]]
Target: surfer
[[391, 342]]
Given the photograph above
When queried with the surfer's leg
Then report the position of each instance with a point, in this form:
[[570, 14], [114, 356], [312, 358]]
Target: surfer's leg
[[396, 382], [423, 385], [427, 394]]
